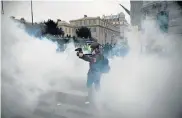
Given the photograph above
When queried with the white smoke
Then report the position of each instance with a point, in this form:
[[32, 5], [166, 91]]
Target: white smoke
[[146, 84], [138, 86], [31, 67]]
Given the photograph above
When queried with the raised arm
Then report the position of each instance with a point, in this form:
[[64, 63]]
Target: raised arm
[[87, 58]]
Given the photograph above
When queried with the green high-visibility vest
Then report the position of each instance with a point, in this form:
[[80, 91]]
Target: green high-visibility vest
[[87, 48]]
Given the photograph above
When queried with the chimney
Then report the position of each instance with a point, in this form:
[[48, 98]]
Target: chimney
[[85, 16]]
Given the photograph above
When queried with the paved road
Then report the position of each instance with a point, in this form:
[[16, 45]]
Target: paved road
[[68, 105]]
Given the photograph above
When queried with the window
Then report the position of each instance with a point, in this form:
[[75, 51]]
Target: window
[[93, 29], [85, 22], [94, 22], [163, 19], [91, 22], [78, 23], [105, 35]]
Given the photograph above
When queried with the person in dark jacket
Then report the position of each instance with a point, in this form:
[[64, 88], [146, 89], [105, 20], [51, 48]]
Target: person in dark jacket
[[94, 73]]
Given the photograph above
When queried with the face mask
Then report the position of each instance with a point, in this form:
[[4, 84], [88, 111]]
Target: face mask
[[93, 52]]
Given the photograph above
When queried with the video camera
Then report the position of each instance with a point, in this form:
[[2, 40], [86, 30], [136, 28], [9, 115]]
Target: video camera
[[79, 50]]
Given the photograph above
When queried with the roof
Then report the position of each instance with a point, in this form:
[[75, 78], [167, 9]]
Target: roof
[[64, 23], [90, 18], [85, 18], [121, 14]]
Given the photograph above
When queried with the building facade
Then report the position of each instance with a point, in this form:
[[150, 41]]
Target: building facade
[[68, 29], [116, 20], [168, 14], [103, 31], [119, 21], [136, 13]]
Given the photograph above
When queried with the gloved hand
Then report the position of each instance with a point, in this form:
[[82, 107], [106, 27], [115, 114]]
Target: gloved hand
[[79, 54]]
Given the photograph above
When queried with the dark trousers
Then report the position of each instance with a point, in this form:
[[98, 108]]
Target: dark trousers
[[92, 78]]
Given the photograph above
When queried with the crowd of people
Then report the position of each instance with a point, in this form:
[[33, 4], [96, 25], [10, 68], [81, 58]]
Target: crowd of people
[[109, 50]]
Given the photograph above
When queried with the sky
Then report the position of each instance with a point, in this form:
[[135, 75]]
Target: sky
[[65, 10]]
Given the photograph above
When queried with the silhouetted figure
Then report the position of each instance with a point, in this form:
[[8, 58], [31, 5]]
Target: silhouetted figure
[[98, 64]]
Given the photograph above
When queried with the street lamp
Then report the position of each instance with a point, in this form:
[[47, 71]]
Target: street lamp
[[2, 8], [31, 12], [127, 11]]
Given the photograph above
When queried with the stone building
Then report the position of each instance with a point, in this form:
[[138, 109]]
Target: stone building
[[167, 13], [136, 13], [116, 20], [68, 29], [119, 21], [103, 31]]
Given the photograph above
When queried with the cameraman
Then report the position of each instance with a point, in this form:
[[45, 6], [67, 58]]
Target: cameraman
[[94, 73]]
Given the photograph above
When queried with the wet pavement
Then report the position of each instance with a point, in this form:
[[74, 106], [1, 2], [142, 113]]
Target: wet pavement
[[68, 105]]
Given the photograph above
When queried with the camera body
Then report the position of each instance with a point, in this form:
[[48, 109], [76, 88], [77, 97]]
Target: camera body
[[79, 50]]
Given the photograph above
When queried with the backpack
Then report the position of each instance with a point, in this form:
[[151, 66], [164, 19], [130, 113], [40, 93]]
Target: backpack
[[104, 65]]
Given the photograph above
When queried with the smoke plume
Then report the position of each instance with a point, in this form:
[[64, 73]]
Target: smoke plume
[[141, 85]]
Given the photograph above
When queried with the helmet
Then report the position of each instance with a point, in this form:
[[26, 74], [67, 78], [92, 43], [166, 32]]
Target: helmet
[[95, 45]]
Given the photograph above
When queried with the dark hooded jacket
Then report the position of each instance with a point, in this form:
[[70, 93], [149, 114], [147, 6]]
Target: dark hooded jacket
[[94, 62]]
